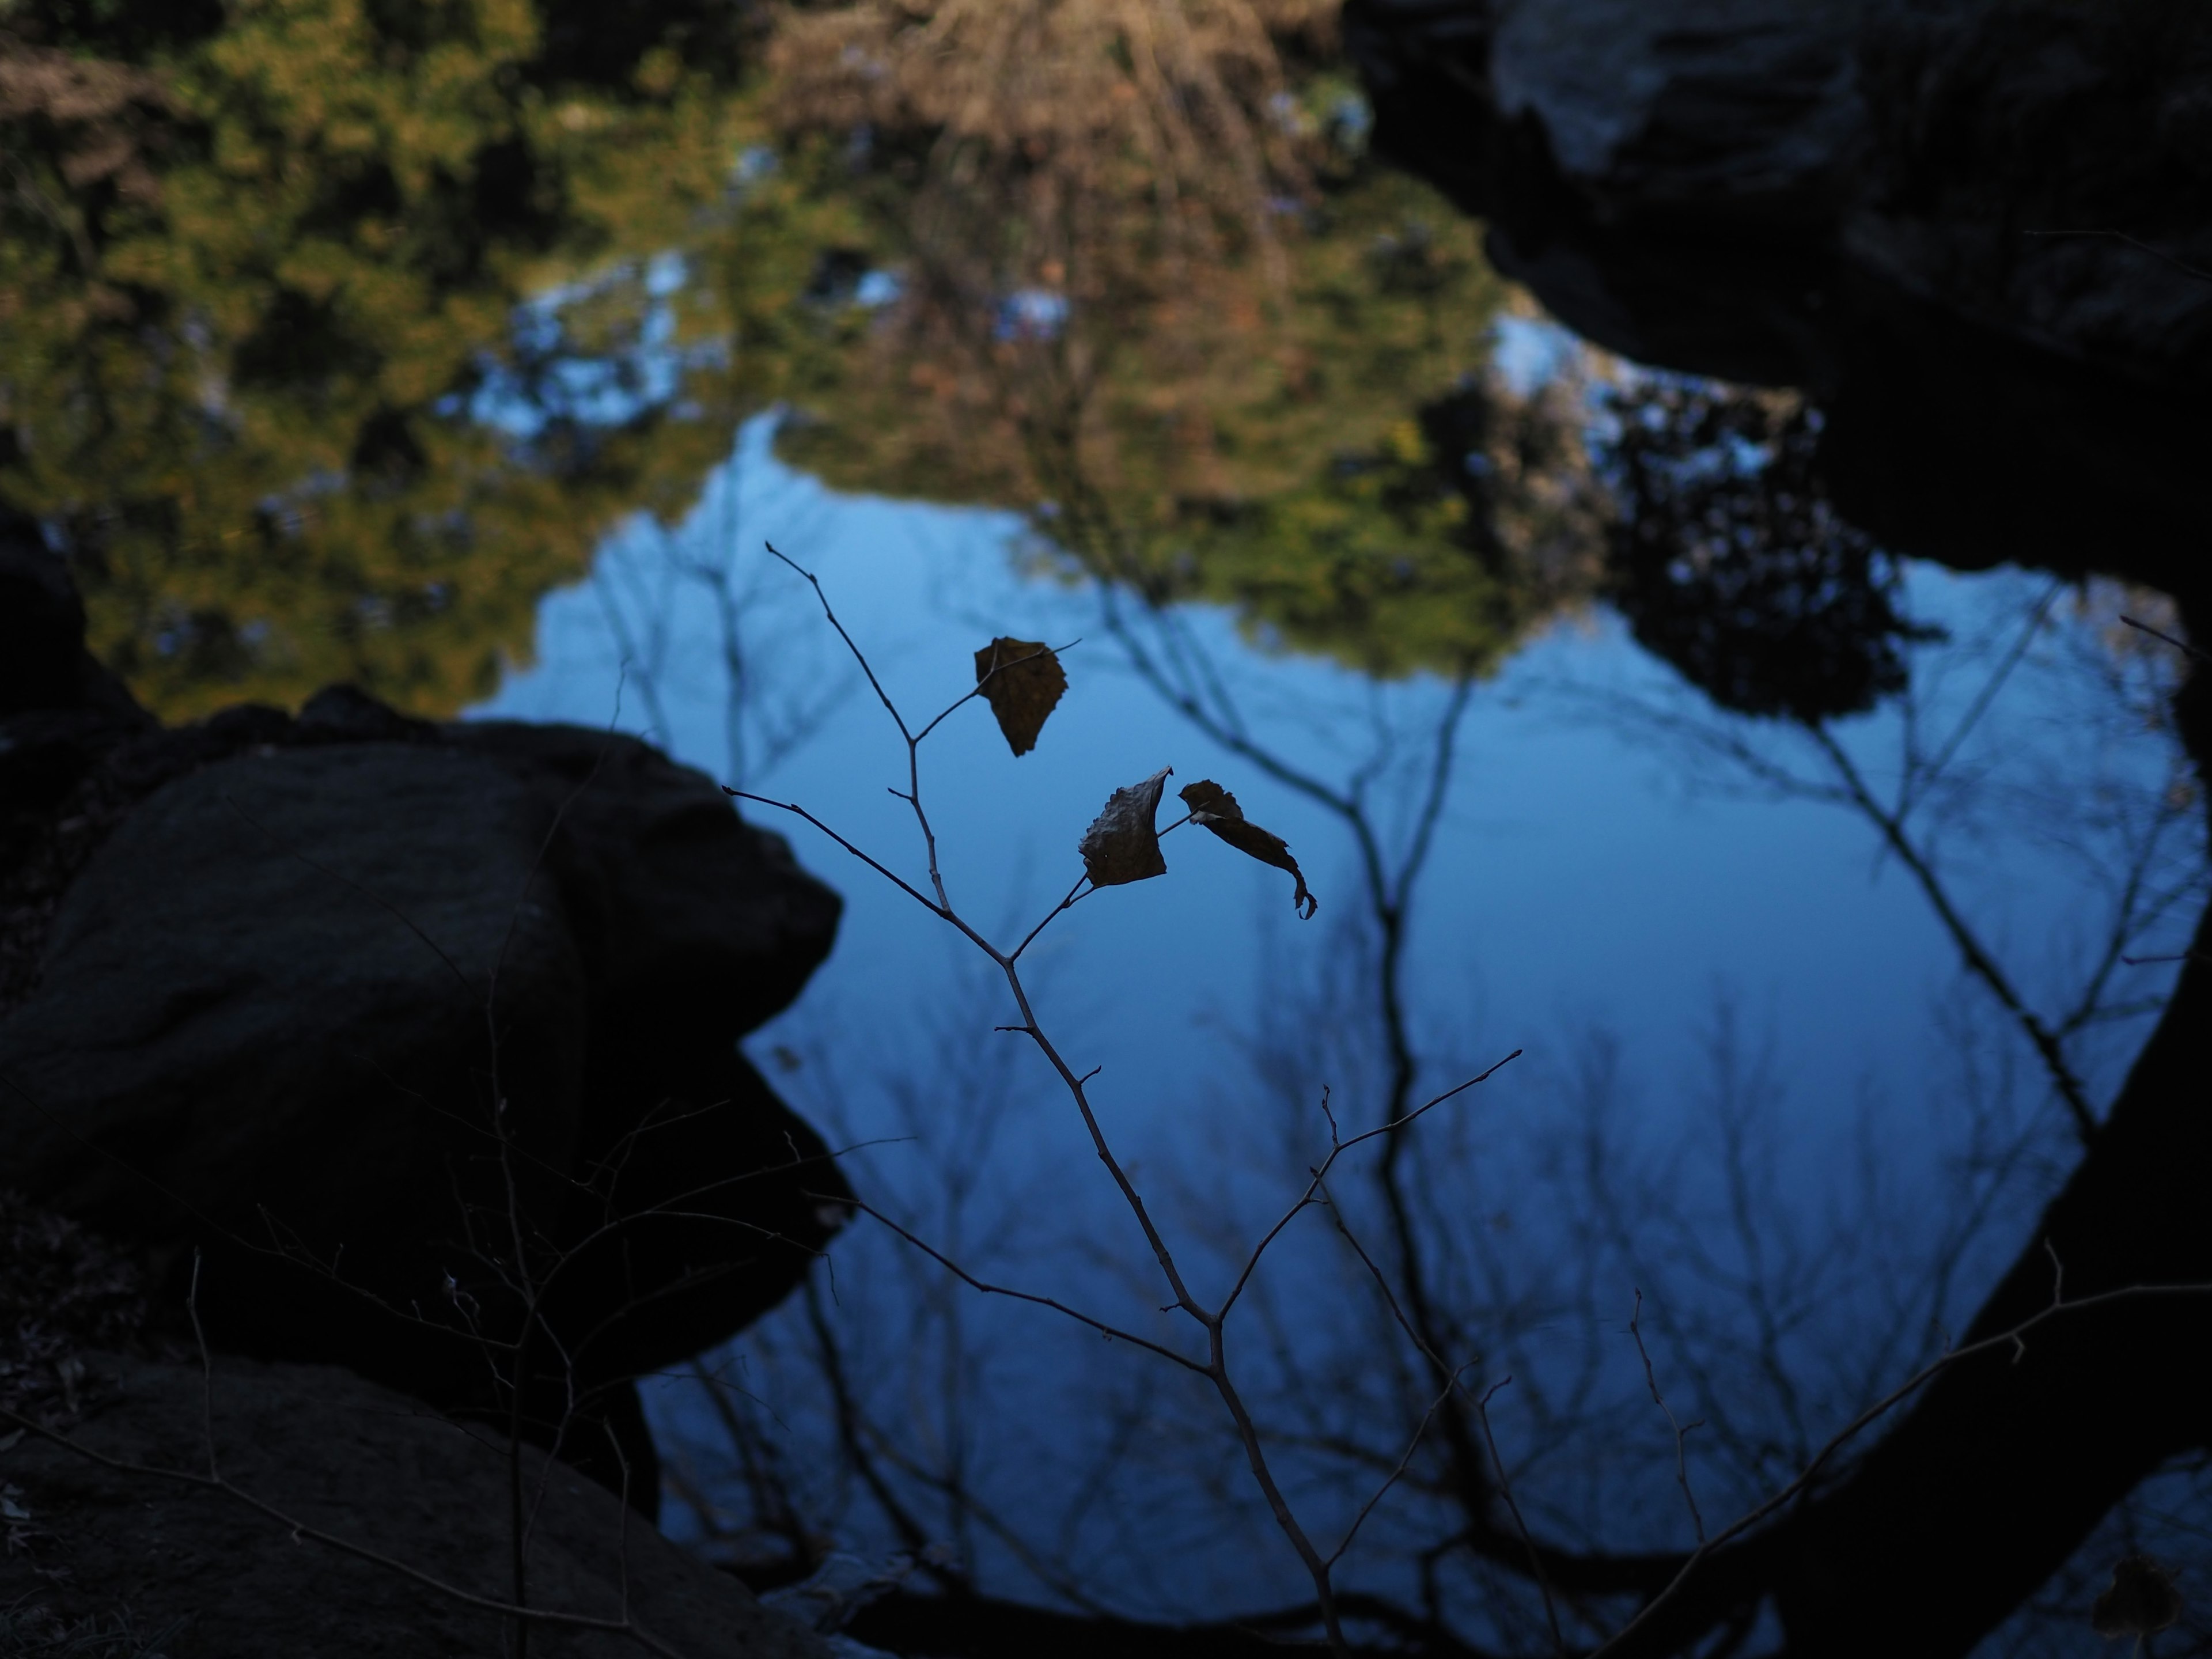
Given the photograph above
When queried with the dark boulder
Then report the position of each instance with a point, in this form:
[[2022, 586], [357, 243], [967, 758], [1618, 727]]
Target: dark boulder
[[100, 1550], [1977, 231], [44, 667], [420, 1041]]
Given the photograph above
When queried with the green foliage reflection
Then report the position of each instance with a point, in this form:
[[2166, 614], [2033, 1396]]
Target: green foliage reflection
[[266, 362], [254, 286]]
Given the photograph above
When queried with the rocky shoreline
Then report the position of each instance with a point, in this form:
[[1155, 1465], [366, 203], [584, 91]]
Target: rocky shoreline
[[400, 1059], [1977, 232]]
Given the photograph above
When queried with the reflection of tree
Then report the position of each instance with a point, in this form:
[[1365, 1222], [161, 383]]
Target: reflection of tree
[[1153, 294], [648, 575], [1731, 565], [1766, 1326], [262, 282], [269, 376]]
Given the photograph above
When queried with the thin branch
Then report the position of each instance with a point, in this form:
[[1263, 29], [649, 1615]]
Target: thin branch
[[882, 696], [2014, 1338], [1114, 1332], [793, 807], [1513, 1509], [991, 673], [1482, 1410], [1412, 1446], [1338, 1148], [1076, 895], [1216, 1367], [2182, 645]]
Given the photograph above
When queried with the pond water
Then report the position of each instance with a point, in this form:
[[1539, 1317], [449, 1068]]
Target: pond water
[[1622, 890], [1820, 896], [1589, 867]]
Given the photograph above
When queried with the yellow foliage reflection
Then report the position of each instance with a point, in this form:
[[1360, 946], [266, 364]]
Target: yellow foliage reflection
[[334, 335]]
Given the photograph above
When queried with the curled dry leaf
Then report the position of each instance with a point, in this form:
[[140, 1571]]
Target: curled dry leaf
[[1121, 845], [2141, 1600], [1022, 680], [1217, 809]]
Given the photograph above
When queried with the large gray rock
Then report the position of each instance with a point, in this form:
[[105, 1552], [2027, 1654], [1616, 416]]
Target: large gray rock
[[1706, 106], [405, 1032], [1979, 231], [369, 1466], [269, 991]]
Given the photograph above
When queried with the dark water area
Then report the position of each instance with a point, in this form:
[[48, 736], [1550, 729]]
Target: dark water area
[[1758, 719]]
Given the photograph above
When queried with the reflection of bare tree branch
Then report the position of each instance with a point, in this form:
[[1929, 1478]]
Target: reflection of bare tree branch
[[854, 1443], [961, 1497], [1185, 678], [1978, 959], [1680, 1431], [646, 662], [1774, 1279], [1480, 1409], [2014, 1338], [766, 1484], [1921, 777], [642, 581], [2141, 902]]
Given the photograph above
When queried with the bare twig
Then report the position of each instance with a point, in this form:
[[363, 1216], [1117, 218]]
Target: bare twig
[[1481, 1409], [1215, 1368], [1412, 1446], [1319, 1175], [2014, 1338], [1113, 1332], [2182, 645]]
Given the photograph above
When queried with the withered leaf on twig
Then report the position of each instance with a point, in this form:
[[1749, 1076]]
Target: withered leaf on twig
[[1022, 680], [2140, 1600], [1217, 809], [1121, 845]]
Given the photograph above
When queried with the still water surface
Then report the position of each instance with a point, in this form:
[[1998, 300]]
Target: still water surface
[[1619, 888], [1586, 870]]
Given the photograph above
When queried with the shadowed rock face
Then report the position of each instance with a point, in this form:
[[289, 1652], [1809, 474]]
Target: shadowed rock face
[[348, 1003], [1863, 199], [338, 1454], [44, 667]]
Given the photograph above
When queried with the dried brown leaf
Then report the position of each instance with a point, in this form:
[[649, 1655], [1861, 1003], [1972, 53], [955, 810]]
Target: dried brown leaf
[[2140, 1602], [1121, 845], [1217, 809], [1022, 680]]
